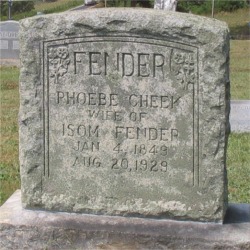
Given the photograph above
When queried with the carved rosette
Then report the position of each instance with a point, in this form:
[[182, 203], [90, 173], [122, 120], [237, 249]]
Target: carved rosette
[[183, 67], [58, 62]]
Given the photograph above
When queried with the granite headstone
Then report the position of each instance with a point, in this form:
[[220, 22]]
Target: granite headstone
[[125, 112], [9, 41]]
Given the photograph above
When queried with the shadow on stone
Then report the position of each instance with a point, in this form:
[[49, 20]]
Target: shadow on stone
[[237, 213]]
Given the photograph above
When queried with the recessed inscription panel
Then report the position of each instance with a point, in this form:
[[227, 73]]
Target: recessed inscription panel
[[120, 122]]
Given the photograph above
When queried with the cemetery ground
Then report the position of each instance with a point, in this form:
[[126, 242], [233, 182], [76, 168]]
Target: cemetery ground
[[238, 157]]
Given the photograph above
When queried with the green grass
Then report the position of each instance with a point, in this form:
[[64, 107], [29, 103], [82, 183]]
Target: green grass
[[240, 69], [237, 22], [9, 165], [46, 8], [238, 167], [58, 6]]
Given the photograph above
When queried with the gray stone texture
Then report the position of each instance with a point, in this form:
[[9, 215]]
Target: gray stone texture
[[125, 112], [28, 229]]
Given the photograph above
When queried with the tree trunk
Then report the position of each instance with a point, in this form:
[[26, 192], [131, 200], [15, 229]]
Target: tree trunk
[[166, 4]]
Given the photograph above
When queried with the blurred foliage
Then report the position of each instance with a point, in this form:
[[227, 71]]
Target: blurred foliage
[[23, 9], [204, 6], [16, 7], [130, 3], [39, 6], [238, 22]]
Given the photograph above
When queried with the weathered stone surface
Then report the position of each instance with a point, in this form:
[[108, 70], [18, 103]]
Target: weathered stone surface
[[9, 43], [28, 229], [125, 112]]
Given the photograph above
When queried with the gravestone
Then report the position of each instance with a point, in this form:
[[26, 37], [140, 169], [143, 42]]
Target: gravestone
[[9, 42], [125, 112], [240, 116]]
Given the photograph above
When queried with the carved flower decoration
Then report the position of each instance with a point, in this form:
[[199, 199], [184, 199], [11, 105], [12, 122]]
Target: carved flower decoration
[[52, 73], [59, 62], [62, 52], [191, 78], [54, 62], [52, 53], [189, 59], [189, 63], [65, 63], [179, 58], [176, 69], [184, 68]]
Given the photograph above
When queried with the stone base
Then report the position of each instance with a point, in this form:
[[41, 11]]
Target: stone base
[[29, 229]]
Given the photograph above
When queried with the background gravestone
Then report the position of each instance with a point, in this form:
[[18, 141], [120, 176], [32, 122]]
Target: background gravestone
[[240, 116], [125, 112], [9, 42]]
